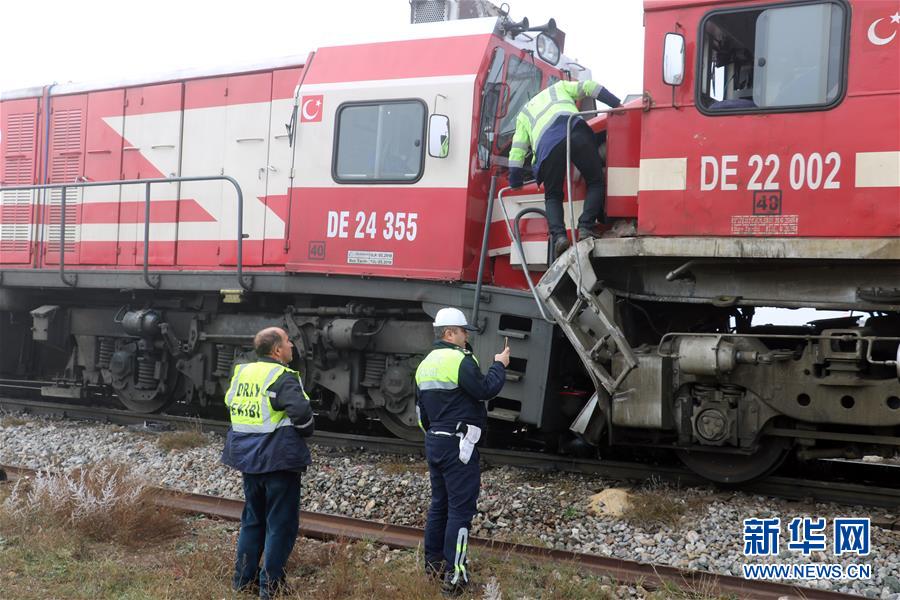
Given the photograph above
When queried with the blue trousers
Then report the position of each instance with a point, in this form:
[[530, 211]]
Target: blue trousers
[[454, 495], [269, 526]]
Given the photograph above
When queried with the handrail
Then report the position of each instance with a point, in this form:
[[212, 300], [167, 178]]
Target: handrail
[[515, 237], [476, 304], [151, 279]]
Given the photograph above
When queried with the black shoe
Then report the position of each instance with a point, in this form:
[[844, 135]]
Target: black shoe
[[585, 233], [249, 588], [453, 590], [434, 570], [276, 588], [560, 245]]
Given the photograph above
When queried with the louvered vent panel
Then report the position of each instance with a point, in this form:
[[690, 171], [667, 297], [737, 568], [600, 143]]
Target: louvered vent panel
[[429, 11], [18, 169], [64, 167]]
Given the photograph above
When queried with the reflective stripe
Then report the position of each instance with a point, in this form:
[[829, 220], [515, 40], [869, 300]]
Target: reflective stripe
[[419, 418], [545, 109], [254, 428], [233, 389], [459, 560], [266, 407], [438, 385], [521, 145], [443, 433], [307, 424], [527, 114]]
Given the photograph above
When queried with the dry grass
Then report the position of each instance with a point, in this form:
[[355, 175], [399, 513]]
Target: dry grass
[[92, 535], [650, 507], [183, 439], [703, 589], [105, 503], [403, 467], [12, 421]]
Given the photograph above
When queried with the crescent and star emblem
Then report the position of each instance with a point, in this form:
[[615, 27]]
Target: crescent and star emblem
[[878, 40], [305, 108]]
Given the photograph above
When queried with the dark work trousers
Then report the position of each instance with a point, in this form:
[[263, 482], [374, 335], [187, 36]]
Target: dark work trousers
[[585, 156], [454, 494], [269, 527]]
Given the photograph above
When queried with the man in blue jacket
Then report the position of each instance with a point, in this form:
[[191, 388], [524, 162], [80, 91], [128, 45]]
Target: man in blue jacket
[[270, 416], [451, 394], [541, 129]]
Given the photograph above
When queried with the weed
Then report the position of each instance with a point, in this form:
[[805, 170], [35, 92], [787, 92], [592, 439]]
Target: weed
[[404, 467], [654, 507], [182, 440], [105, 503], [703, 589], [12, 421]]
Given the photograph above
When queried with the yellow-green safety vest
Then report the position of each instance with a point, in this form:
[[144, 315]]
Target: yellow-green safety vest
[[542, 110], [439, 371], [249, 400]]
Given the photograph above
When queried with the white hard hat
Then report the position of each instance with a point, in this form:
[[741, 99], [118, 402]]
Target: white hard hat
[[452, 317]]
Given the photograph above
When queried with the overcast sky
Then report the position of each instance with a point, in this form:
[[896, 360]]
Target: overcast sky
[[103, 40]]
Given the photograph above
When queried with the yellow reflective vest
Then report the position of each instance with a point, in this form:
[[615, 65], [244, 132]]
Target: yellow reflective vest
[[249, 401], [541, 111]]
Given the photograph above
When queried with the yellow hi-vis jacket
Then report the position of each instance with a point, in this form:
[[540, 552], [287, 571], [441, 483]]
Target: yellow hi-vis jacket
[[541, 111], [248, 399]]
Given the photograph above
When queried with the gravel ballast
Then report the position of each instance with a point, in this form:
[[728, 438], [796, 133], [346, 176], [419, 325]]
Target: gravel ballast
[[518, 505]]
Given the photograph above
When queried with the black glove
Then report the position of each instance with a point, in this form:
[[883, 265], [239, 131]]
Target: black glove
[[516, 177], [608, 98]]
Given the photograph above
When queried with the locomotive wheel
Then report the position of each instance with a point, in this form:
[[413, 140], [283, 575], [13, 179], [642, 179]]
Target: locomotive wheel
[[142, 402], [724, 467], [396, 425], [150, 401]]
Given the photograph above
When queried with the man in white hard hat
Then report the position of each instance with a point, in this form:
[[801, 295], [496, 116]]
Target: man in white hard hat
[[451, 394]]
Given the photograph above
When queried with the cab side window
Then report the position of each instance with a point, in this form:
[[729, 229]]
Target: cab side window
[[490, 100], [379, 142], [524, 80], [772, 59]]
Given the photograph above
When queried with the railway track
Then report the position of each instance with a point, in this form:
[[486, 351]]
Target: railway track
[[651, 577], [841, 492]]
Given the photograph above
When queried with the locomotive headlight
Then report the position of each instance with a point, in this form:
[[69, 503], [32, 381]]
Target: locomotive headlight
[[547, 49]]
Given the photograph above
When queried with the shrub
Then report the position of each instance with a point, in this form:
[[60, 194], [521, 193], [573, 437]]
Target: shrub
[[102, 503]]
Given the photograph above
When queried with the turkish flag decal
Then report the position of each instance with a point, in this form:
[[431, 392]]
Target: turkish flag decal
[[311, 109]]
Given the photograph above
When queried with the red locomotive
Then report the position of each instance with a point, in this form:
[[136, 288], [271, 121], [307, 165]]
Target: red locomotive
[[349, 194]]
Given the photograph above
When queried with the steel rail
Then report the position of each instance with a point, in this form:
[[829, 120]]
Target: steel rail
[[776, 486], [649, 576]]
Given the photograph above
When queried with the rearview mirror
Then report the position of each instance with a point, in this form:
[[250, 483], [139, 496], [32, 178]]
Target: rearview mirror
[[673, 59], [439, 136]]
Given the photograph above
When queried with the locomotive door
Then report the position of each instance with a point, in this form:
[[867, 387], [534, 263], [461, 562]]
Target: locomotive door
[[102, 162], [17, 153], [280, 154], [204, 154], [247, 113], [152, 148], [67, 126]]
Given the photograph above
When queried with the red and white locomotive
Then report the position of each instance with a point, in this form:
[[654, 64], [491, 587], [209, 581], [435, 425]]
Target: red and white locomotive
[[349, 194]]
